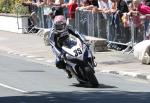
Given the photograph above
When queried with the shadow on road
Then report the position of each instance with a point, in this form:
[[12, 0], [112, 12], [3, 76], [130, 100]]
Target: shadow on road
[[97, 96], [86, 86]]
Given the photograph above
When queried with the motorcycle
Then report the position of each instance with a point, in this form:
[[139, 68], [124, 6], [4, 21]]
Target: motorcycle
[[80, 61]]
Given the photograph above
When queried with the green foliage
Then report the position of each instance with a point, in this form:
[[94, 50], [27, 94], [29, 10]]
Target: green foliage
[[6, 6], [20, 9], [13, 7]]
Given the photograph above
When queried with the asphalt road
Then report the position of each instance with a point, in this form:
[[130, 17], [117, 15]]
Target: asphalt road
[[26, 81]]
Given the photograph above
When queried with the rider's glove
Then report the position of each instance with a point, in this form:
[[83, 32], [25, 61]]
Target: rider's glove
[[62, 55], [87, 43]]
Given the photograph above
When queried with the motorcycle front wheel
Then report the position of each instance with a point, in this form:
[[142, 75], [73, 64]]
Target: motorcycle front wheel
[[90, 77]]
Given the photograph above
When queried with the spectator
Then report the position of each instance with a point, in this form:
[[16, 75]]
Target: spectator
[[39, 13], [88, 4], [93, 2], [105, 6], [66, 9], [114, 6], [128, 1], [47, 6], [33, 7], [143, 8], [58, 9], [32, 10], [85, 4], [105, 17], [122, 7], [135, 14], [72, 5], [122, 30], [58, 2], [49, 2]]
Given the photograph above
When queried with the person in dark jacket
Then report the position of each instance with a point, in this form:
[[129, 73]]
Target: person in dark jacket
[[122, 7]]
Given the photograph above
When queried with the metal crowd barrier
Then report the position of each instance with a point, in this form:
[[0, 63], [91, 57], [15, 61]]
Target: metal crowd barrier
[[146, 19], [43, 19], [103, 26], [91, 24]]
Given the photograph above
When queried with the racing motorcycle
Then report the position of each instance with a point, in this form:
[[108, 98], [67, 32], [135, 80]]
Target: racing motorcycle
[[80, 61]]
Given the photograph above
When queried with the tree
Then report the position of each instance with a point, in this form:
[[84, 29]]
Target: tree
[[13, 7]]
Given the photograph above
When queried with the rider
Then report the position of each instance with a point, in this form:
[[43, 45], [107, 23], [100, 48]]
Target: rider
[[59, 34]]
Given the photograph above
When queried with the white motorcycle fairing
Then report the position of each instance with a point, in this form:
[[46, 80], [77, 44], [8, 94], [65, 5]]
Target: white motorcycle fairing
[[74, 49]]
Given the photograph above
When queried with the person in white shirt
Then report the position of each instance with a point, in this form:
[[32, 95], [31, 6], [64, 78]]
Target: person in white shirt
[[105, 6]]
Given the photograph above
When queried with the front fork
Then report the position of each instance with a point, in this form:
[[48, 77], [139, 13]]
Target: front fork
[[75, 74]]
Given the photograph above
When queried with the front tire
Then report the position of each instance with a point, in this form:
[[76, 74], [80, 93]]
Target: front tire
[[91, 78]]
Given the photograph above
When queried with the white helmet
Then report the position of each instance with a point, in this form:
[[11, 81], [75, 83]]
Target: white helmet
[[59, 23]]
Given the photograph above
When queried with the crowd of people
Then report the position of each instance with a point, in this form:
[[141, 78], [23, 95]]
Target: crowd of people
[[63, 7], [120, 10]]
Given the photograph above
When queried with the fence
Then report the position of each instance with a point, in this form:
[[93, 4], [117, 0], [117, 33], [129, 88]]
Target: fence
[[43, 19], [91, 24], [39, 19], [112, 29], [102, 26]]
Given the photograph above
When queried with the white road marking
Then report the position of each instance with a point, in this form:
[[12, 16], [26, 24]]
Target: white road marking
[[40, 59], [11, 52], [12, 88], [23, 54], [31, 56], [148, 77], [50, 61]]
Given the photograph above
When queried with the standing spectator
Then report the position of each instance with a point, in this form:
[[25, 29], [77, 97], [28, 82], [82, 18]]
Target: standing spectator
[[128, 1], [88, 4], [122, 33], [93, 2], [58, 9], [114, 6], [32, 5], [135, 14], [71, 6], [112, 22], [47, 13], [71, 12], [59, 2], [144, 9], [105, 7], [39, 13], [122, 7], [66, 9], [84, 3], [32, 10]]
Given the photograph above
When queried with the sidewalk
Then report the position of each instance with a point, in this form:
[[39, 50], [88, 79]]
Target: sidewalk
[[32, 46]]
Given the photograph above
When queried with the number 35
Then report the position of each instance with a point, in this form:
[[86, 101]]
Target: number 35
[[77, 52]]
